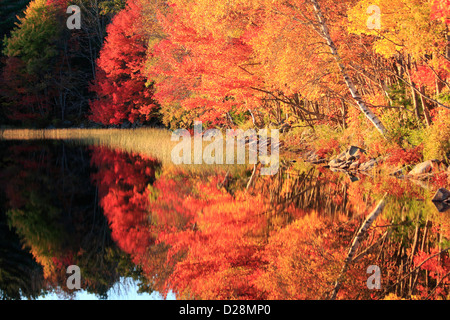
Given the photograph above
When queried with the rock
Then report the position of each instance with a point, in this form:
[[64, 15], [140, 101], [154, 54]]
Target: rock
[[423, 176], [354, 153], [367, 165], [347, 159], [313, 157], [309, 156], [442, 206], [441, 200], [441, 195], [335, 162], [354, 166], [319, 161], [421, 168], [344, 165], [337, 170], [341, 157]]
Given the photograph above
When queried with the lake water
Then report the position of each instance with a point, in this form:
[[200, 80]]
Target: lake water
[[139, 228]]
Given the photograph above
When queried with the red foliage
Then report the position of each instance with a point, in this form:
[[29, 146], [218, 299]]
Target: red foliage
[[401, 157], [441, 180], [440, 9], [328, 147], [62, 4], [120, 85], [201, 72]]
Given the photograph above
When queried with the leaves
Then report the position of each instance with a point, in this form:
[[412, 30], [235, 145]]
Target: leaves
[[120, 86]]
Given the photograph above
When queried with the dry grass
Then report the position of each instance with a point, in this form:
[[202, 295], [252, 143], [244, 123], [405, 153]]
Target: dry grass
[[152, 142]]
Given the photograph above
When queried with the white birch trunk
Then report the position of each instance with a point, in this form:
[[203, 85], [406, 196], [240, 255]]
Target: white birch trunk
[[355, 244], [354, 92]]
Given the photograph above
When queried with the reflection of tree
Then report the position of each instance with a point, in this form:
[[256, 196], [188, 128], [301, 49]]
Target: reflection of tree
[[122, 180], [51, 206], [20, 275], [215, 245], [287, 238], [207, 237], [213, 237]]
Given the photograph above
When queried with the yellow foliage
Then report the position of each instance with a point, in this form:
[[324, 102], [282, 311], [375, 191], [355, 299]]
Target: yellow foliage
[[406, 27], [437, 142], [392, 296], [301, 265]]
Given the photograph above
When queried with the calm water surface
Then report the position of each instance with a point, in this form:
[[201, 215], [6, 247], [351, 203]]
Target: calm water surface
[[140, 229]]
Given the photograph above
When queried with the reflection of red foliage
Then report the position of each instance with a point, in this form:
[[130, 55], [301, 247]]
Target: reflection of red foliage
[[122, 181], [425, 76], [222, 248], [437, 266]]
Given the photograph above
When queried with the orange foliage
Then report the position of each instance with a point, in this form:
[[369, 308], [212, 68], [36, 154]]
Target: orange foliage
[[220, 246], [302, 260], [327, 148]]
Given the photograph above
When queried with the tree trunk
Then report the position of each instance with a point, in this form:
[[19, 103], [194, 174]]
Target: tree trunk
[[448, 43], [414, 98], [355, 244], [425, 108], [359, 101]]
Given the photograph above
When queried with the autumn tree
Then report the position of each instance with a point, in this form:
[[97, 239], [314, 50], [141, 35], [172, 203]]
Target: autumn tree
[[8, 15], [31, 51], [413, 36], [199, 72], [123, 94], [48, 67]]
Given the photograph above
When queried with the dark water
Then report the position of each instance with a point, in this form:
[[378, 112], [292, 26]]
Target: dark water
[[137, 229]]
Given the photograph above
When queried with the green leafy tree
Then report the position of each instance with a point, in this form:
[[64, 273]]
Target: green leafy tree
[[9, 9], [30, 52], [33, 39]]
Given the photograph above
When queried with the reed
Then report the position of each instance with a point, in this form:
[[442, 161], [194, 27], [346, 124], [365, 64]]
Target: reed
[[152, 142]]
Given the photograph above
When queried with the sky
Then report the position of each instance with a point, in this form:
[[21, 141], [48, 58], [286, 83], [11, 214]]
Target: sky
[[125, 290]]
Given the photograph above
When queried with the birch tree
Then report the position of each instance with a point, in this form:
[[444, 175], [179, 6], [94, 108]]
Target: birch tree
[[324, 32]]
